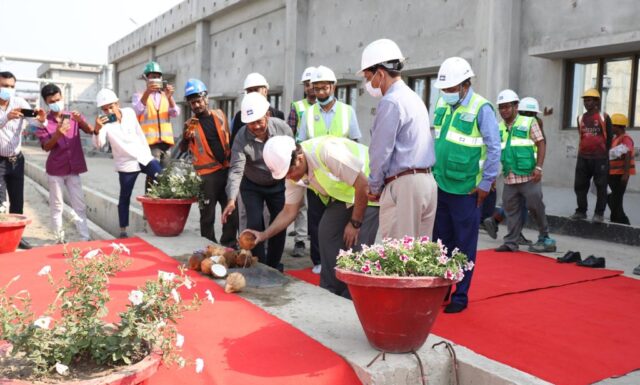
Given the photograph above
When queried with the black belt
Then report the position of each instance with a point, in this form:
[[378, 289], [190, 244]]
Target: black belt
[[410, 171], [11, 159]]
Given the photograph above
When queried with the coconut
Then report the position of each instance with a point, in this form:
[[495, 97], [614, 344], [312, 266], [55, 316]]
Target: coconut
[[195, 260], [247, 240], [235, 283], [244, 258], [230, 257], [219, 259], [218, 270], [205, 265], [215, 249]]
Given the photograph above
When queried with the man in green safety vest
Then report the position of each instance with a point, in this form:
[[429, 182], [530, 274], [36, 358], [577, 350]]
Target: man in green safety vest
[[336, 169]]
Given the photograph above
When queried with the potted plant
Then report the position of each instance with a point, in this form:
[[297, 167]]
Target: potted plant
[[398, 287], [167, 203], [71, 339], [11, 229]]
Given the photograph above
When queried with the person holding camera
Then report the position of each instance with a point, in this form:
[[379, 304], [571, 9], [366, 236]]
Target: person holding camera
[[154, 108], [60, 137], [131, 153]]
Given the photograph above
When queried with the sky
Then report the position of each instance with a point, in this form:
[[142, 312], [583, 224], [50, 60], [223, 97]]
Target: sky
[[74, 30]]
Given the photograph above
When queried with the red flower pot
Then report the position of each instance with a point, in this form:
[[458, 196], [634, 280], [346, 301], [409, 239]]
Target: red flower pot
[[396, 313], [166, 217], [11, 229]]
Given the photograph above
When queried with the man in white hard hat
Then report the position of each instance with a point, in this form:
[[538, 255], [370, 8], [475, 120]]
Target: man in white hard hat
[[336, 169], [401, 149], [468, 162], [254, 82], [523, 151], [328, 116], [131, 152], [300, 229], [250, 176]]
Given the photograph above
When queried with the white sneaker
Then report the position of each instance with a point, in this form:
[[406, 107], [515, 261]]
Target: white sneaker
[[316, 269]]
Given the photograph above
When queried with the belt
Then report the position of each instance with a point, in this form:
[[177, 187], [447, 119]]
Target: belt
[[12, 159], [410, 171]]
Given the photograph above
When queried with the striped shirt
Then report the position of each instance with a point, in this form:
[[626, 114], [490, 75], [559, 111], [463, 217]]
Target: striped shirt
[[11, 130]]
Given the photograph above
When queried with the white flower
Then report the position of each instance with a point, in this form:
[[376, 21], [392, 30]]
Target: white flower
[[199, 365], [45, 270], [209, 296], [136, 297], [175, 295], [125, 249], [173, 189], [192, 174], [166, 276], [179, 340], [62, 369], [161, 324], [181, 362], [188, 283], [92, 253], [115, 246], [43, 322]]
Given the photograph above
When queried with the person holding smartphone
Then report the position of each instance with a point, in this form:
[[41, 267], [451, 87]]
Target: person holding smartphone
[[60, 137], [154, 108], [131, 153]]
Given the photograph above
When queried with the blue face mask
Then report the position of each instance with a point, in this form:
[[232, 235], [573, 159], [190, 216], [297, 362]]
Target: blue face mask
[[326, 101], [451, 98], [57, 106], [6, 93]]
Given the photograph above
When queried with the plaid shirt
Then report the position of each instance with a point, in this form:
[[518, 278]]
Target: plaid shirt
[[536, 136]]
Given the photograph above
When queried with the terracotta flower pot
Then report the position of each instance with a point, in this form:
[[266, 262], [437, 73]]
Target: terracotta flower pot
[[166, 217], [396, 313], [11, 230]]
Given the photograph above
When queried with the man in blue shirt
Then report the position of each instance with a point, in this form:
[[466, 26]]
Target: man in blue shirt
[[401, 152], [468, 161]]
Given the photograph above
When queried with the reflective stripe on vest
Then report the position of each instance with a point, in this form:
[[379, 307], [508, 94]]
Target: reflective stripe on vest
[[300, 107], [616, 166], [204, 162], [155, 122], [519, 151], [339, 124]]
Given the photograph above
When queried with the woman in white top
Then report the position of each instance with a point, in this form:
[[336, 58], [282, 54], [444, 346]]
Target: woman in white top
[[129, 146]]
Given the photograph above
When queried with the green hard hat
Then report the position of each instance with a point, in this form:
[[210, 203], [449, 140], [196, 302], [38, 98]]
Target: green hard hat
[[152, 67]]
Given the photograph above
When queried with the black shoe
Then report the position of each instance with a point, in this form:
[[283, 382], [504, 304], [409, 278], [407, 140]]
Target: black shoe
[[292, 233], [455, 307], [503, 248], [24, 245], [524, 241], [298, 250], [592, 261], [570, 257], [491, 227]]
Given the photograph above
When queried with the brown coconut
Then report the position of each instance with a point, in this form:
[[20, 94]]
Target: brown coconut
[[230, 257], [219, 259], [244, 258], [247, 240], [235, 283], [205, 265], [195, 260], [215, 249]]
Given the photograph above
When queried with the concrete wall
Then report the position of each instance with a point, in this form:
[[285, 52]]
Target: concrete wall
[[519, 44]]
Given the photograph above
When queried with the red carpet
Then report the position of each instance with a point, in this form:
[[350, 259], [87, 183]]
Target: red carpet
[[239, 342], [305, 275]]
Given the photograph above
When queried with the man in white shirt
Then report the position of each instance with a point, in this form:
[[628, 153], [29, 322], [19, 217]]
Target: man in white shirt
[[131, 152]]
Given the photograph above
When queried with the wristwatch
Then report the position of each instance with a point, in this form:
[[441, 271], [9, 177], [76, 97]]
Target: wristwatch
[[355, 223], [539, 168]]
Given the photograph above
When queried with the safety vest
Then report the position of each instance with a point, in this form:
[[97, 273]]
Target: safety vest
[[339, 124], [460, 149], [518, 150], [155, 122], [203, 159], [300, 107], [332, 185], [616, 166]]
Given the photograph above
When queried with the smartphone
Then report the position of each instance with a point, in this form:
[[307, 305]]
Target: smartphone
[[64, 117], [156, 82], [164, 84], [111, 118], [28, 113]]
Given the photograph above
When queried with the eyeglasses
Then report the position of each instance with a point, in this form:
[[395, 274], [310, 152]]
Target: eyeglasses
[[326, 88]]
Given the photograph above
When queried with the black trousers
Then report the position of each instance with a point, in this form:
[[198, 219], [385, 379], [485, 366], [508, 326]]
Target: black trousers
[[213, 186], [615, 199], [598, 169], [12, 182], [315, 210]]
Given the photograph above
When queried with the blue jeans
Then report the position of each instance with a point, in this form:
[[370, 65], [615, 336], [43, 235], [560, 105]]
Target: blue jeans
[[127, 181]]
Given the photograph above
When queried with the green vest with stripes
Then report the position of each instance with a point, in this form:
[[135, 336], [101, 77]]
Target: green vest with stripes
[[339, 124], [300, 107], [460, 149], [518, 150], [334, 187]]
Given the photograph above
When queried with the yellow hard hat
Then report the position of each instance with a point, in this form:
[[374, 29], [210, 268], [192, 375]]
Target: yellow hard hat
[[619, 120], [591, 93]]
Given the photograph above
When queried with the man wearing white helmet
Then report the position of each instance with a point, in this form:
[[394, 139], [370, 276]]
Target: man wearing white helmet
[[468, 161], [529, 106], [401, 149], [327, 117], [250, 176], [131, 152], [523, 151], [336, 169], [254, 82]]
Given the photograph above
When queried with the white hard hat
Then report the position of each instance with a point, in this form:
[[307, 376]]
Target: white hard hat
[[277, 155], [253, 107], [307, 74], [507, 96], [106, 96], [323, 74], [378, 52], [452, 72], [254, 79], [529, 104]]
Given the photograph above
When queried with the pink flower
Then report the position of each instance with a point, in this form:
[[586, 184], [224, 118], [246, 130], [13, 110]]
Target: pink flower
[[469, 265], [424, 239], [381, 253], [378, 266], [455, 251], [448, 274], [459, 276], [366, 268], [404, 258], [443, 259]]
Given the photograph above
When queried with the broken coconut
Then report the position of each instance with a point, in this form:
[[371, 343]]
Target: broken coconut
[[218, 270], [247, 240], [244, 259], [205, 265], [235, 283]]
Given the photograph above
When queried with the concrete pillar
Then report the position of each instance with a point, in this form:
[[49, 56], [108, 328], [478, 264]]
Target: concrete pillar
[[295, 50], [202, 57], [496, 60]]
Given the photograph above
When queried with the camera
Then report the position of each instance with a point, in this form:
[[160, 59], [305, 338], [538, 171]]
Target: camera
[[28, 113]]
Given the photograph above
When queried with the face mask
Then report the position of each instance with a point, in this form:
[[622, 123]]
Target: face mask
[[326, 101], [7, 93], [451, 98], [374, 92], [57, 106]]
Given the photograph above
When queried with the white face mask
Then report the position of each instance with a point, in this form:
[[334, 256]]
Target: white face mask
[[374, 92], [7, 93]]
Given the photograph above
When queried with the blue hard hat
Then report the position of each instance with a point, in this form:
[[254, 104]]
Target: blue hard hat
[[193, 87]]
